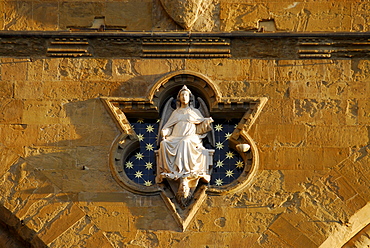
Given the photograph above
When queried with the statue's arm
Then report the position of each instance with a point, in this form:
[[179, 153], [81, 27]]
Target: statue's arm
[[205, 126], [167, 128]]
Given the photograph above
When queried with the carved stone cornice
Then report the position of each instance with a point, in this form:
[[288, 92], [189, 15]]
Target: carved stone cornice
[[238, 45]]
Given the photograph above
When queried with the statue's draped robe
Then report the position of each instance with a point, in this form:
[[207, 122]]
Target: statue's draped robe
[[182, 153]]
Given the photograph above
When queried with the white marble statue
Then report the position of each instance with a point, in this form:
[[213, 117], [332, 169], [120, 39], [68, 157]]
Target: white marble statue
[[182, 158]]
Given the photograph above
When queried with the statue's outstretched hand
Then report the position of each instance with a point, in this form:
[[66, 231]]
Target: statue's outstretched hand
[[165, 133]]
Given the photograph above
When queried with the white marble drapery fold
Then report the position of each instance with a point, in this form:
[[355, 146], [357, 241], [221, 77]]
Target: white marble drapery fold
[[181, 153]]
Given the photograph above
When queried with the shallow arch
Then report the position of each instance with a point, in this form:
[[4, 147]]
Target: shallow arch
[[198, 83], [349, 233]]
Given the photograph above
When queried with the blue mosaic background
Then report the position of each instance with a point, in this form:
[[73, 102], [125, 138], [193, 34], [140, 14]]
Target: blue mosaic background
[[140, 165]]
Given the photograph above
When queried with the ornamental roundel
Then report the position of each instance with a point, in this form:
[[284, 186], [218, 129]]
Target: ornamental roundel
[[184, 141]]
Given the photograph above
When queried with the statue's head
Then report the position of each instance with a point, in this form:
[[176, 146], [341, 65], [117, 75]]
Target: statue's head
[[185, 96]]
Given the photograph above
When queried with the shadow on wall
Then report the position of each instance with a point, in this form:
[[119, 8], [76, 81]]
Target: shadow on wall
[[69, 164]]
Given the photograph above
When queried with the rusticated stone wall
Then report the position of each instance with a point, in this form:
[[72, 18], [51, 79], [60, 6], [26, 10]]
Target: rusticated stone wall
[[216, 15], [312, 135], [312, 187]]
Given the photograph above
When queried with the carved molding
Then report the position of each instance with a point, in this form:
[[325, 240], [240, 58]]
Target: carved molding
[[186, 47], [69, 47], [237, 45]]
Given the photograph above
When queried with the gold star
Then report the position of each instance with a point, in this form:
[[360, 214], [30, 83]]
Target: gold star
[[140, 137], [227, 135], [239, 164], [148, 183], [229, 155], [138, 174], [129, 165], [139, 156], [148, 165], [149, 128], [219, 146], [141, 121], [218, 127], [229, 173], [149, 147], [219, 164], [219, 182]]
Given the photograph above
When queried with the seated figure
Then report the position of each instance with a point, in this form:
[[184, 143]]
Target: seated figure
[[182, 157]]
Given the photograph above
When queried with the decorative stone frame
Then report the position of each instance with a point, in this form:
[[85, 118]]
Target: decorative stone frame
[[248, 108]]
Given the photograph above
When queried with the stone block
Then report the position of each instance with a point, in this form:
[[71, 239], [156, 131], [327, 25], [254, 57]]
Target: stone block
[[58, 226], [122, 69], [240, 239], [261, 71], [271, 239], [55, 135], [354, 175], [337, 16], [356, 203], [280, 134], [334, 156], [17, 136], [109, 216], [37, 199], [320, 112], [277, 111], [294, 179], [39, 217], [360, 16], [44, 112], [344, 190], [299, 158], [219, 69], [14, 69], [359, 90], [286, 231], [79, 14], [18, 15], [50, 69], [7, 159], [306, 226], [28, 90], [98, 240], [42, 21], [241, 16], [268, 158], [363, 111], [95, 89], [77, 235], [337, 136], [270, 89], [11, 111], [287, 15], [6, 89], [2, 19], [360, 70], [85, 69], [147, 67], [62, 90], [35, 70], [125, 14]]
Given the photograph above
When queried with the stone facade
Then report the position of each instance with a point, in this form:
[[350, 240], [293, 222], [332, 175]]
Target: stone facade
[[312, 187]]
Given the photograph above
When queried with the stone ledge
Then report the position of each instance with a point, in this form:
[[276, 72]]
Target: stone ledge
[[236, 45]]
